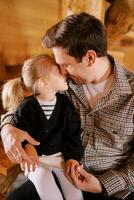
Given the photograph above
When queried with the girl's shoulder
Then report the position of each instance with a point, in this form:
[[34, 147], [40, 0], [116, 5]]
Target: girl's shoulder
[[29, 98], [61, 95], [29, 101], [64, 100]]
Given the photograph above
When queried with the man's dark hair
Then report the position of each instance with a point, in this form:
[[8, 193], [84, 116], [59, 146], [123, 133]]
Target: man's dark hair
[[78, 33]]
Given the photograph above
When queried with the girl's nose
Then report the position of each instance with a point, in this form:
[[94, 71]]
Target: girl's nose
[[63, 70]]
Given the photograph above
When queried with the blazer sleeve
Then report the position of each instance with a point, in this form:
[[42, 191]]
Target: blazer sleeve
[[72, 148]]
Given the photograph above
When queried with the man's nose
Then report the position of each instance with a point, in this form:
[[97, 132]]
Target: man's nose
[[63, 70]]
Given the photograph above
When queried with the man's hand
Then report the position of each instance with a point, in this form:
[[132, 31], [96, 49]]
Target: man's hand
[[12, 138], [85, 181], [32, 153]]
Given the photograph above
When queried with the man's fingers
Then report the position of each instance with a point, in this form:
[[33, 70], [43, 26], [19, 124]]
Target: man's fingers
[[11, 156], [31, 140], [22, 165], [18, 158], [37, 161], [17, 154], [82, 171]]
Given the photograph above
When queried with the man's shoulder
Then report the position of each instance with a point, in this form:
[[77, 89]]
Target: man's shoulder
[[130, 77], [125, 75]]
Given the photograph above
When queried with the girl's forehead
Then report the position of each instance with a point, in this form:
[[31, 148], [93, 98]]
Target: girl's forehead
[[55, 66]]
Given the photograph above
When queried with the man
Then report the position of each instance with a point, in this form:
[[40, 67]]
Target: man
[[103, 94]]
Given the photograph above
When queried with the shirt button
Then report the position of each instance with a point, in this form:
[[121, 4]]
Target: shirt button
[[114, 131]]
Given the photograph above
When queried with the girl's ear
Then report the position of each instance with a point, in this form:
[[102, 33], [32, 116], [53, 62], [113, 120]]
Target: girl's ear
[[43, 81], [90, 57]]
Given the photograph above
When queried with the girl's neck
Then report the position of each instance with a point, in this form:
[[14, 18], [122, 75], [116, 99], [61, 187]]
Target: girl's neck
[[49, 96]]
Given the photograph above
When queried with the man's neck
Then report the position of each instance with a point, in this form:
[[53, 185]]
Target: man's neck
[[103, 69]]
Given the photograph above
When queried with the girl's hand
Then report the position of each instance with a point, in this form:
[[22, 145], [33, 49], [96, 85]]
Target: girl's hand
[[71, 165], [32, 153]]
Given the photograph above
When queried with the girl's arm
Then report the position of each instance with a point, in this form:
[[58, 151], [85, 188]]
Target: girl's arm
[[72, 148]]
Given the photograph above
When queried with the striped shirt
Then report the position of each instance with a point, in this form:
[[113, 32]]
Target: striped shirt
[[48, 107]]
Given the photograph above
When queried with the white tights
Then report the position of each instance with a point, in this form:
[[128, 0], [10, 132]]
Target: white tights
[[47, 188]]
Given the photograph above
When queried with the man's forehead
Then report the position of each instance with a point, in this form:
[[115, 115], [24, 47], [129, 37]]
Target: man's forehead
[[61, 60], [61, 57]]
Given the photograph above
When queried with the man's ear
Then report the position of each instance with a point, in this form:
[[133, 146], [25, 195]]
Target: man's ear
[[90, 57]]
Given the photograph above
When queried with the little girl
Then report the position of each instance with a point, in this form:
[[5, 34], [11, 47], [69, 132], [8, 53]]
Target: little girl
[[51, 119]]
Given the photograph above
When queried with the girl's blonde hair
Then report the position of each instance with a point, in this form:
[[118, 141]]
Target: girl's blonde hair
[[35, 68], [12, 94]]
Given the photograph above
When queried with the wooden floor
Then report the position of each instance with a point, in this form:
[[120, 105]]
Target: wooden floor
[[8, 172]]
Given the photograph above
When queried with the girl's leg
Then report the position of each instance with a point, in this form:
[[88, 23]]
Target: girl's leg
[[45, 184], [68, 189]]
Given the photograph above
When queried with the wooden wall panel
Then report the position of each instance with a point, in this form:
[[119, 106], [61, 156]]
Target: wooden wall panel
[[22, 25]]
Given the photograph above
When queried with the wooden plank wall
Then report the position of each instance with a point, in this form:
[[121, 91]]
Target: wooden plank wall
[[22, 25]]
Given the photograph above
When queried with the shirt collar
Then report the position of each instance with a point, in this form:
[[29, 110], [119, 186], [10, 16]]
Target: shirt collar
[[119, 87], [120, 84]]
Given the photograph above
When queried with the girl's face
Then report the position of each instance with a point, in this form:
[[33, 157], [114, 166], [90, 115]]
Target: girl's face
[[56, 81]]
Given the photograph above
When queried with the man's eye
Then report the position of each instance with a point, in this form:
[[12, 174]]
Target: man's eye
[[65, 66], [58, 67], [68, 66]]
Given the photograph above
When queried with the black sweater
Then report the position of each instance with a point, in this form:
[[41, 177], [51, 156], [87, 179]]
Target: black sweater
[[61, 133]]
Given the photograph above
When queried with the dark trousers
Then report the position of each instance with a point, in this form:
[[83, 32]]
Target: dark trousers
[[91, 196], [27, 191]]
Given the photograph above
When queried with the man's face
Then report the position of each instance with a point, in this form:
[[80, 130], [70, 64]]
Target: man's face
[[69, 66]]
